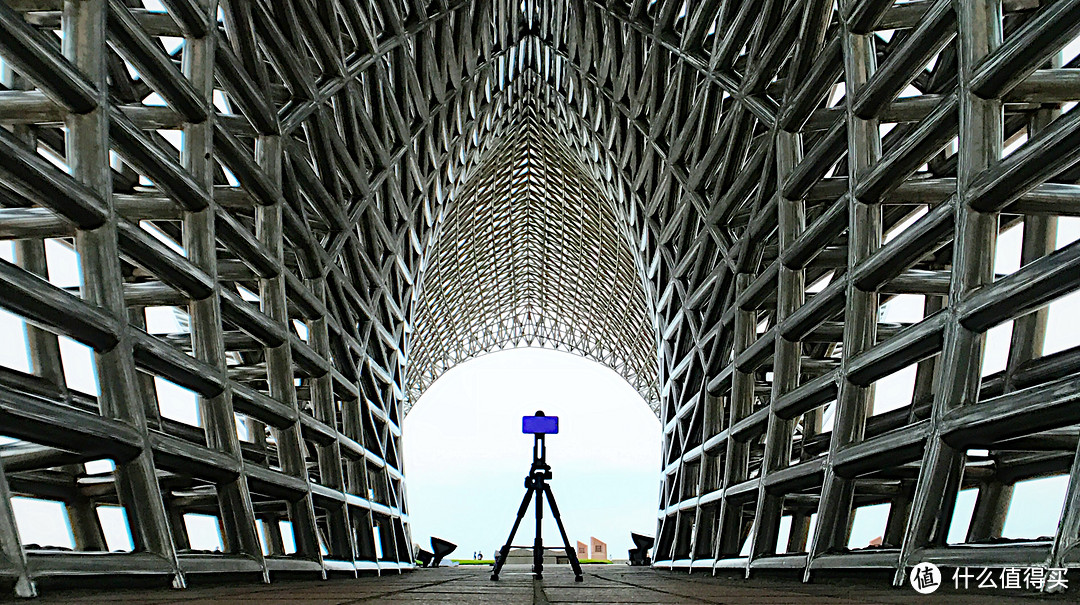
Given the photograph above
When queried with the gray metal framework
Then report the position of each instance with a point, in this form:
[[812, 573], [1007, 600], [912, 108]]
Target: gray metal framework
[[531, 253], [776, 169]]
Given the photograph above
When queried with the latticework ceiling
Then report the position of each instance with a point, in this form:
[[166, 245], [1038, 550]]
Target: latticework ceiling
[[531, 253]]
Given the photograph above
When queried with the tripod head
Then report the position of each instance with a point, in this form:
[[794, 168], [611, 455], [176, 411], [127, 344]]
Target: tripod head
[[540, 471], [540, 426]]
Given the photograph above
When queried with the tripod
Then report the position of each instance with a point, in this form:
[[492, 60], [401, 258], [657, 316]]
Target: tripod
[[536, 486]]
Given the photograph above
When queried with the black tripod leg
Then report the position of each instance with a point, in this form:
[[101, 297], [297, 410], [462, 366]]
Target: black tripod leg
[[571, 553], [505, 550]]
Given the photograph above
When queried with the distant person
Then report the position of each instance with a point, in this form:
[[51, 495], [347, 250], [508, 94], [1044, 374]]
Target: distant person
[[480, 556]]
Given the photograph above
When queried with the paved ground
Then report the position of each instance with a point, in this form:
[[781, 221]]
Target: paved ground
[[608, 584]]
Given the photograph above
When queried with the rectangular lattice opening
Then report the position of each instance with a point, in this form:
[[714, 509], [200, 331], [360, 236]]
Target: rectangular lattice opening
[[116, 528], [203, 532], [43, 524]]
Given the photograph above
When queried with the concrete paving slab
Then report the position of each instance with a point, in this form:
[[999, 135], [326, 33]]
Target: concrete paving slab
[[607, 584]]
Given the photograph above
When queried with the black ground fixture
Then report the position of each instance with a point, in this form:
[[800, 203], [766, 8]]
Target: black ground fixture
[[536, 486], [441, 548], [424, 557], [640, 554]]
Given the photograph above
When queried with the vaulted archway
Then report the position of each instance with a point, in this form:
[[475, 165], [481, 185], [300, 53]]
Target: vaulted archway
[[285, 178]]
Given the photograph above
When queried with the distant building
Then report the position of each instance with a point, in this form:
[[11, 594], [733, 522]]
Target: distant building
[[582, 550], [520, 556], [599, 549]]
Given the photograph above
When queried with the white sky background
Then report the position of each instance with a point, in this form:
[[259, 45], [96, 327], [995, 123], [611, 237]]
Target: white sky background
[[466, 458]]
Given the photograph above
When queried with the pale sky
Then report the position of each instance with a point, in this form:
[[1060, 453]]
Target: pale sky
[[466, 458]]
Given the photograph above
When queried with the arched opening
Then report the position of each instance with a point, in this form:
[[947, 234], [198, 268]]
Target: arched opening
[[850, 288], [465, 456]]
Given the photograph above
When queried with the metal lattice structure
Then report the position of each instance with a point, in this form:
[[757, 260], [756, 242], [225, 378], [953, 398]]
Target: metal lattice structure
[[532, 253], [778, 171]]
